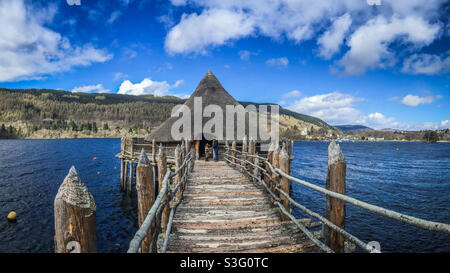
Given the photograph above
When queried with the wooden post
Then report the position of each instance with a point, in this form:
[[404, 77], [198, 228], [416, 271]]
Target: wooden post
[[178, 162], [335, 208], [125, 176], [145, 188], [132, 147], [162, 169], [233, 153], [256, 170], [130, 180], [75, 224], [122, 174], [244, 151], [122, 145], [153, 151], [269, 159], [284, 182], [275, 164], [197, 149], [251, 151]]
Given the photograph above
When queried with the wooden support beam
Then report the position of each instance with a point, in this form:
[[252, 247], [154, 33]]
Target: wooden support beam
[[284, 182], [233, 153], [75, 223], [153, 151], [275, 164], [178, 162], [269, 171], [251, 151], [335, 208], [125, 175], [130, 180], [145, 189], [162, 169], [122, 174], [244, 151]]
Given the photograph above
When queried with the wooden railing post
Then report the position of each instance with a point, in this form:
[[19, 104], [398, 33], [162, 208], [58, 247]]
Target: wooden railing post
[[256, 170], [335, 208], [244, 152], [145, 188], [122, 174], [269, 171], [132, 147], [275, 164], [162, 169], [153, 151], [284, 182], [178, 162], [251, 151], [130, 180], [75, 223], [233, 153]]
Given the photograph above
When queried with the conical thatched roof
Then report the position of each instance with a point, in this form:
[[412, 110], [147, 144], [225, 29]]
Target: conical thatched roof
[[212, 92]]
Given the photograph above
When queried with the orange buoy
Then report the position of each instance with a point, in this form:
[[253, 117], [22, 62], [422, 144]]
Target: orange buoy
[[95, 158]]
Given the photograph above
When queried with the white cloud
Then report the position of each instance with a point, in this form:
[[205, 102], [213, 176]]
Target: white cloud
[[116, 14], [427, 64], [245, 54], [413, 23], [119, 76], [413, 100], [369, 43], [335, 108], [91, 89], [212, 27], [278, 62], [29, 49], [147, 87], [332, 39], [292, 94]]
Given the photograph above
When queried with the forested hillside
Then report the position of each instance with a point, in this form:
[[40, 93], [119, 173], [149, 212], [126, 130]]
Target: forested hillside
[[60, 114]]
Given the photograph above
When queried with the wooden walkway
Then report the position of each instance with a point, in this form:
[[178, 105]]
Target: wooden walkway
[[223, 211]]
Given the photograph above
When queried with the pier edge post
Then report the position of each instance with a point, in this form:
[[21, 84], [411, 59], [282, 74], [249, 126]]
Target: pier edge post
[[335, 208], [233, 153], [75, 217], [145, 189], [162, 169], [284, 182], [275, 164], [178, 161]]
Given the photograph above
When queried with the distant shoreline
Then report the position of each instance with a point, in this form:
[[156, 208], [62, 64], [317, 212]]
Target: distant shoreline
[[306, 140]]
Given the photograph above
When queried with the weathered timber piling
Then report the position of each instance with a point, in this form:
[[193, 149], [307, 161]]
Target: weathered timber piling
[[162, 169], [284, 182], [244, 152], [130, 180], [145, 188], [122, 174], [335, 208], [233, 153], [256, 170], [178, 162], [268, 170], [75, 223], [125, 176], [275, 165], [251, 151], [153, 151]]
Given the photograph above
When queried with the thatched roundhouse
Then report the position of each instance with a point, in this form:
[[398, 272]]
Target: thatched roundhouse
[[211, 92]]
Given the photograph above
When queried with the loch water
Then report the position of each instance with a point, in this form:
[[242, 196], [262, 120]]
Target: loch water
[[408, 177]]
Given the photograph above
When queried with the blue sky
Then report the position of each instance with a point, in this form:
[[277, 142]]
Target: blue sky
[[381, 63]]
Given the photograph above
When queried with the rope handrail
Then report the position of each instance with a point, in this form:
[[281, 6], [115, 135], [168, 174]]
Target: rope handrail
[[158, 205], [434, 226], [430, 225]]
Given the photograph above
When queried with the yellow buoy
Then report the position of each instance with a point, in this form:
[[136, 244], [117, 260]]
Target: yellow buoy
[[12, 216]]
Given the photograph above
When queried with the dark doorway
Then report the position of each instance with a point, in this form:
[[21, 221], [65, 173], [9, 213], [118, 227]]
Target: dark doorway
[[201, 150]]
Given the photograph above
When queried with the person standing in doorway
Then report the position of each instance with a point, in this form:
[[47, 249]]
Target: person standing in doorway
[[215, 145]]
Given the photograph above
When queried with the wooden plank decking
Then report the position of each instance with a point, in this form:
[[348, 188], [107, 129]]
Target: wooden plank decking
[[222, 211]]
